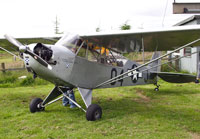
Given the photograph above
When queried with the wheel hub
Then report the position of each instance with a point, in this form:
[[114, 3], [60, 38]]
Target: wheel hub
[[97, 114]]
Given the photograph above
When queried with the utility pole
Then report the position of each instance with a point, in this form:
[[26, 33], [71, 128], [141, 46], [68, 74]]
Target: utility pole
[[57, 26]]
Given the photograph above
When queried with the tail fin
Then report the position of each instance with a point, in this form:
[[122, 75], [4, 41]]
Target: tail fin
[[155, 63]]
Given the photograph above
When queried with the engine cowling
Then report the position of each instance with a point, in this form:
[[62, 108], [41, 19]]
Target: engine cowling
[[43, 51]]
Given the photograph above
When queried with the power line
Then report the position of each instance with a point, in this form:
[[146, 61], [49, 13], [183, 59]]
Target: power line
[[165, 13]]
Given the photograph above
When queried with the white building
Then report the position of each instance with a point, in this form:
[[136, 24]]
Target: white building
[[190, 63]]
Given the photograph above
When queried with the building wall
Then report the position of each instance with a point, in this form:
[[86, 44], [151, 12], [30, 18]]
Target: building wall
[[178, 8], [189, 63]]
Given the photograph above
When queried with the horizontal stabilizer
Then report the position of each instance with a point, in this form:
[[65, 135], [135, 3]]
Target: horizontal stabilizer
[[175, 77]]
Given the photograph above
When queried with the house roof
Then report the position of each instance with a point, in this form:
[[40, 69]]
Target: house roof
[[190, 19]]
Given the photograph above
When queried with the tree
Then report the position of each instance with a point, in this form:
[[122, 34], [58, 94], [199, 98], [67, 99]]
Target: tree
[[125, 26]]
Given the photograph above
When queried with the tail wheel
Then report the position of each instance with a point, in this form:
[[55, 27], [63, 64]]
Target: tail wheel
[[94, 112], [35, 105], [156, 89]]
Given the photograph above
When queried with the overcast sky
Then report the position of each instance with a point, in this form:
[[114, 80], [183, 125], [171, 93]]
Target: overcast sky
[[25, 17]]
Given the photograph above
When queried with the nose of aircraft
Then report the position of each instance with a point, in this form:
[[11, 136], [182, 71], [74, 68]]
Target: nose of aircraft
[[24, 49]]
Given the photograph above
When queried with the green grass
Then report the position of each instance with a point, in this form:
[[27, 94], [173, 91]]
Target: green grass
[[128, 112], [12, 79]]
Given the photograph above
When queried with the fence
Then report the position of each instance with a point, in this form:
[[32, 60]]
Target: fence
[[4, 69]]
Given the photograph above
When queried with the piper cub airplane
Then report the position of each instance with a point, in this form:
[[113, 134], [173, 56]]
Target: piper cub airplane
[[88, 62]]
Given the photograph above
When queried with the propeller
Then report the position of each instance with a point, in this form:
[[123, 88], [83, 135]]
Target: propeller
[[24, 49]]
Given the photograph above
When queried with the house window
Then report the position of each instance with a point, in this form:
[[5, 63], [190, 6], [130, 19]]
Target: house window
[[187, 51]]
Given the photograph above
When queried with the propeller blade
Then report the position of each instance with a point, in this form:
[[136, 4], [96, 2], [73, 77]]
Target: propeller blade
[[13, 41], [23, 48]]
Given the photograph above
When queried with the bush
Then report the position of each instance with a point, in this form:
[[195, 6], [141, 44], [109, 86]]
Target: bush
[[8, 79], [27, 81]]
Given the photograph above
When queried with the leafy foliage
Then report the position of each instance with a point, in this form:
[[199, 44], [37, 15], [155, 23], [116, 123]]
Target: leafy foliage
[[27, 81], [125, 26]]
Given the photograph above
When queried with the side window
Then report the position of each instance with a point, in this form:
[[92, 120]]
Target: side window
[[187, 51], [82, 52], [92, 56], [101, 55], [81, 48]]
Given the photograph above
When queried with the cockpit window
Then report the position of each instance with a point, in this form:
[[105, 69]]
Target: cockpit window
[[71, 41], [90, 51], [101, 55]]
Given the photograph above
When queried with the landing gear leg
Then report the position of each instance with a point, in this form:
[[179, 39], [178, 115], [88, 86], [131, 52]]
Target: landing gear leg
[[94, 111], [157, 87], [37, 104]]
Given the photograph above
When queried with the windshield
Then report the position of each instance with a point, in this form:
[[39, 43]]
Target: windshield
[[71, 41]]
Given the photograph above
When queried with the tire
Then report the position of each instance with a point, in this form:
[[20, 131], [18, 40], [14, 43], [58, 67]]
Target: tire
[[94, 112], [35, 105], [156, 89]]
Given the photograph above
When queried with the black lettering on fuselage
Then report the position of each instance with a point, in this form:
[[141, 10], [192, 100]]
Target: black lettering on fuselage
[[134, 75], [113, 74], [121, 80]]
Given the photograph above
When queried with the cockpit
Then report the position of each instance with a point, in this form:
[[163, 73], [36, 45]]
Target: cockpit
[[90, 51]]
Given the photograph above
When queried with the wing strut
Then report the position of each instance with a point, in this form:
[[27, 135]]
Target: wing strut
[[130, 71], [11, 53]]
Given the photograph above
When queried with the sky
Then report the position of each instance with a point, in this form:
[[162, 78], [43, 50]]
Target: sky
[[37, 17]]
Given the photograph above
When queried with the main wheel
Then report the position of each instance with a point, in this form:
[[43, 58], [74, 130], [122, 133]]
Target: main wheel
[[35, 105], [94, 112]]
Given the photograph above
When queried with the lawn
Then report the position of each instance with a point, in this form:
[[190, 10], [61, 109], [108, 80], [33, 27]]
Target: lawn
[[128, 112]]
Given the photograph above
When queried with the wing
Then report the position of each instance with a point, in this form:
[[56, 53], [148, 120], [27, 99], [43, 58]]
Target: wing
[[160, 39]]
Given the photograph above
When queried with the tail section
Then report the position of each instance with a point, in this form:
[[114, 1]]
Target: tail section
[[155, 68]]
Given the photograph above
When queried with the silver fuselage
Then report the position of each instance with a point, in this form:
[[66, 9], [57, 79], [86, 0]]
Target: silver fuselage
[[74, 71]]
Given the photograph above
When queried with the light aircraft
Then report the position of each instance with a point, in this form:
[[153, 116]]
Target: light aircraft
[[93, 61]]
